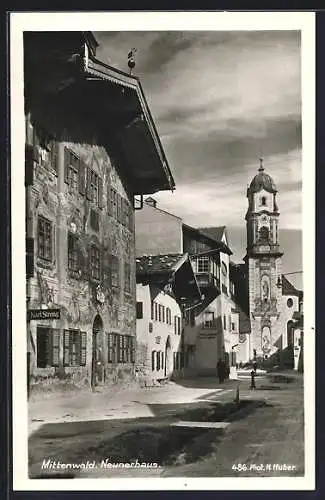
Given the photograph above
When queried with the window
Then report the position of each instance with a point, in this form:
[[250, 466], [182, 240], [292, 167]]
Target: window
[[153, 358], [45, 239], [203, 264], [158, 358], [74, 348], [208, 319], [111, 348], [156, 311], [163, 314], [113, 203], [233, 326], [224, 322], [71, 168], [126, 213], [72, 252], [139, 308], [152, 310], [115, 270], [94, 220], [93, 186], [47, 145], [263, 200], [127, 277], [120, 348], [289, 302], [162, 360], [159, 312], [177, 325], [224, 269], [48, 347], [168, 316], [95, 262], [264, 233]]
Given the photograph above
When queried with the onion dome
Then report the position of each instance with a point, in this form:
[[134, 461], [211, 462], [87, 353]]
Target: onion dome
[[262, 181]]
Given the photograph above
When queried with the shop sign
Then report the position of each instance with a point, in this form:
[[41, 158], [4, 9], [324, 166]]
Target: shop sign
[[38, 314]]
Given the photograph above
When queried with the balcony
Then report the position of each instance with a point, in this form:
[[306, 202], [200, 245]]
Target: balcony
[[207, 280]]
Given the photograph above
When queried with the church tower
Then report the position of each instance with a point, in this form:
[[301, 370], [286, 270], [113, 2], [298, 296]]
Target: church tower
[[263, 260]]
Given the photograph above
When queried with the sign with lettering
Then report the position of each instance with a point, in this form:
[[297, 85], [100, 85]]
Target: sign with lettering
[[34, 314]]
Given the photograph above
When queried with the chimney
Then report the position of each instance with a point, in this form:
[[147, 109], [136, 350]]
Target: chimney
[[151, 201]]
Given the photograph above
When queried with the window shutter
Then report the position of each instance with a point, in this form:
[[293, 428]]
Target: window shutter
[[66, 348], [88, 188], [139, 308], [109, 348], [83, 348], [29, 257], [132, 340], [100, 192], [106, 268], [54, 156], [29, 164], [82, 178], [109, 199], [66, 165], [131, 218], [55, 347], [94, 220]]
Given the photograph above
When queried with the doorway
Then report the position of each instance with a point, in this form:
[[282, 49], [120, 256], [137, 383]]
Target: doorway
[[168, 369], [97, 361]]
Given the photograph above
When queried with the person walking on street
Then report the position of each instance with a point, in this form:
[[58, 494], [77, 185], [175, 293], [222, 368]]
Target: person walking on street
[[221, 370]]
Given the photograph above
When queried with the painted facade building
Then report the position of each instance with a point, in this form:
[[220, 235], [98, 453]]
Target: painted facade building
[[166, 291], [271, 309], [91, 146]]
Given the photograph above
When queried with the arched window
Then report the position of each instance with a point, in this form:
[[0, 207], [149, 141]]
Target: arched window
[[264, 233], [263, 200]]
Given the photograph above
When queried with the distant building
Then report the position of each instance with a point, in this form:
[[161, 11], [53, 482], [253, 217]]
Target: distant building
[[208, 327], [166, 291], [91, 146], [273, 301]]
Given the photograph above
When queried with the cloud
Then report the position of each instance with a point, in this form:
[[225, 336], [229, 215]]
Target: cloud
[[220, 100]]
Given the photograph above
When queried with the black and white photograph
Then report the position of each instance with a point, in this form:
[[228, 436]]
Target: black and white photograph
[[163, 250]]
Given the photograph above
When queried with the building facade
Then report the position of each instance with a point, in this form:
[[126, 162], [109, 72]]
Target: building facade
[[91, 146], [166, 292], [270, 307]]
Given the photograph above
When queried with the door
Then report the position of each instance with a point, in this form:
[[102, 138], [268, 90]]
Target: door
[[97, 366], [168, 368]]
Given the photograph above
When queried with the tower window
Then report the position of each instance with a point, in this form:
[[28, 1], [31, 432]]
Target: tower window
[[263, 200], [264, 233], [289, 302]]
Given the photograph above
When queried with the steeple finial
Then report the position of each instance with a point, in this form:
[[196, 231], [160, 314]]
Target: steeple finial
[[261, 169]]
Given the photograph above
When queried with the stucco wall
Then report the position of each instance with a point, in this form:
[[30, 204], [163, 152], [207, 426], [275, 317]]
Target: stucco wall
[[53, 285], [155, 335], [157, 232]]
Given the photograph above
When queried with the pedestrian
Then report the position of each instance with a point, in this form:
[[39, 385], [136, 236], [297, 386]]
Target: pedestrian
[[255, 366], [253, 385], [220, 371]]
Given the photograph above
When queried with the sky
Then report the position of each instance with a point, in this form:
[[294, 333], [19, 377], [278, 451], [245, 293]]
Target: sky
[[220, 101]]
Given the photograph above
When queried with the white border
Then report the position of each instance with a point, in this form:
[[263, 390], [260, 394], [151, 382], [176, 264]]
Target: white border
[[164, 21]]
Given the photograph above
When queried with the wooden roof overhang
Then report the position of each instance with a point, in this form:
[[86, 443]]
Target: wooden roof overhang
[[86, 100]]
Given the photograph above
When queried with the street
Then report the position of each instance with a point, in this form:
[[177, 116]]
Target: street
[[196, 429]]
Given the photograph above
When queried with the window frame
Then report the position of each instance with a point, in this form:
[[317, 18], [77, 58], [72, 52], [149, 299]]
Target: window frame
[[47, 232], [208, 323], [95, 264]]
